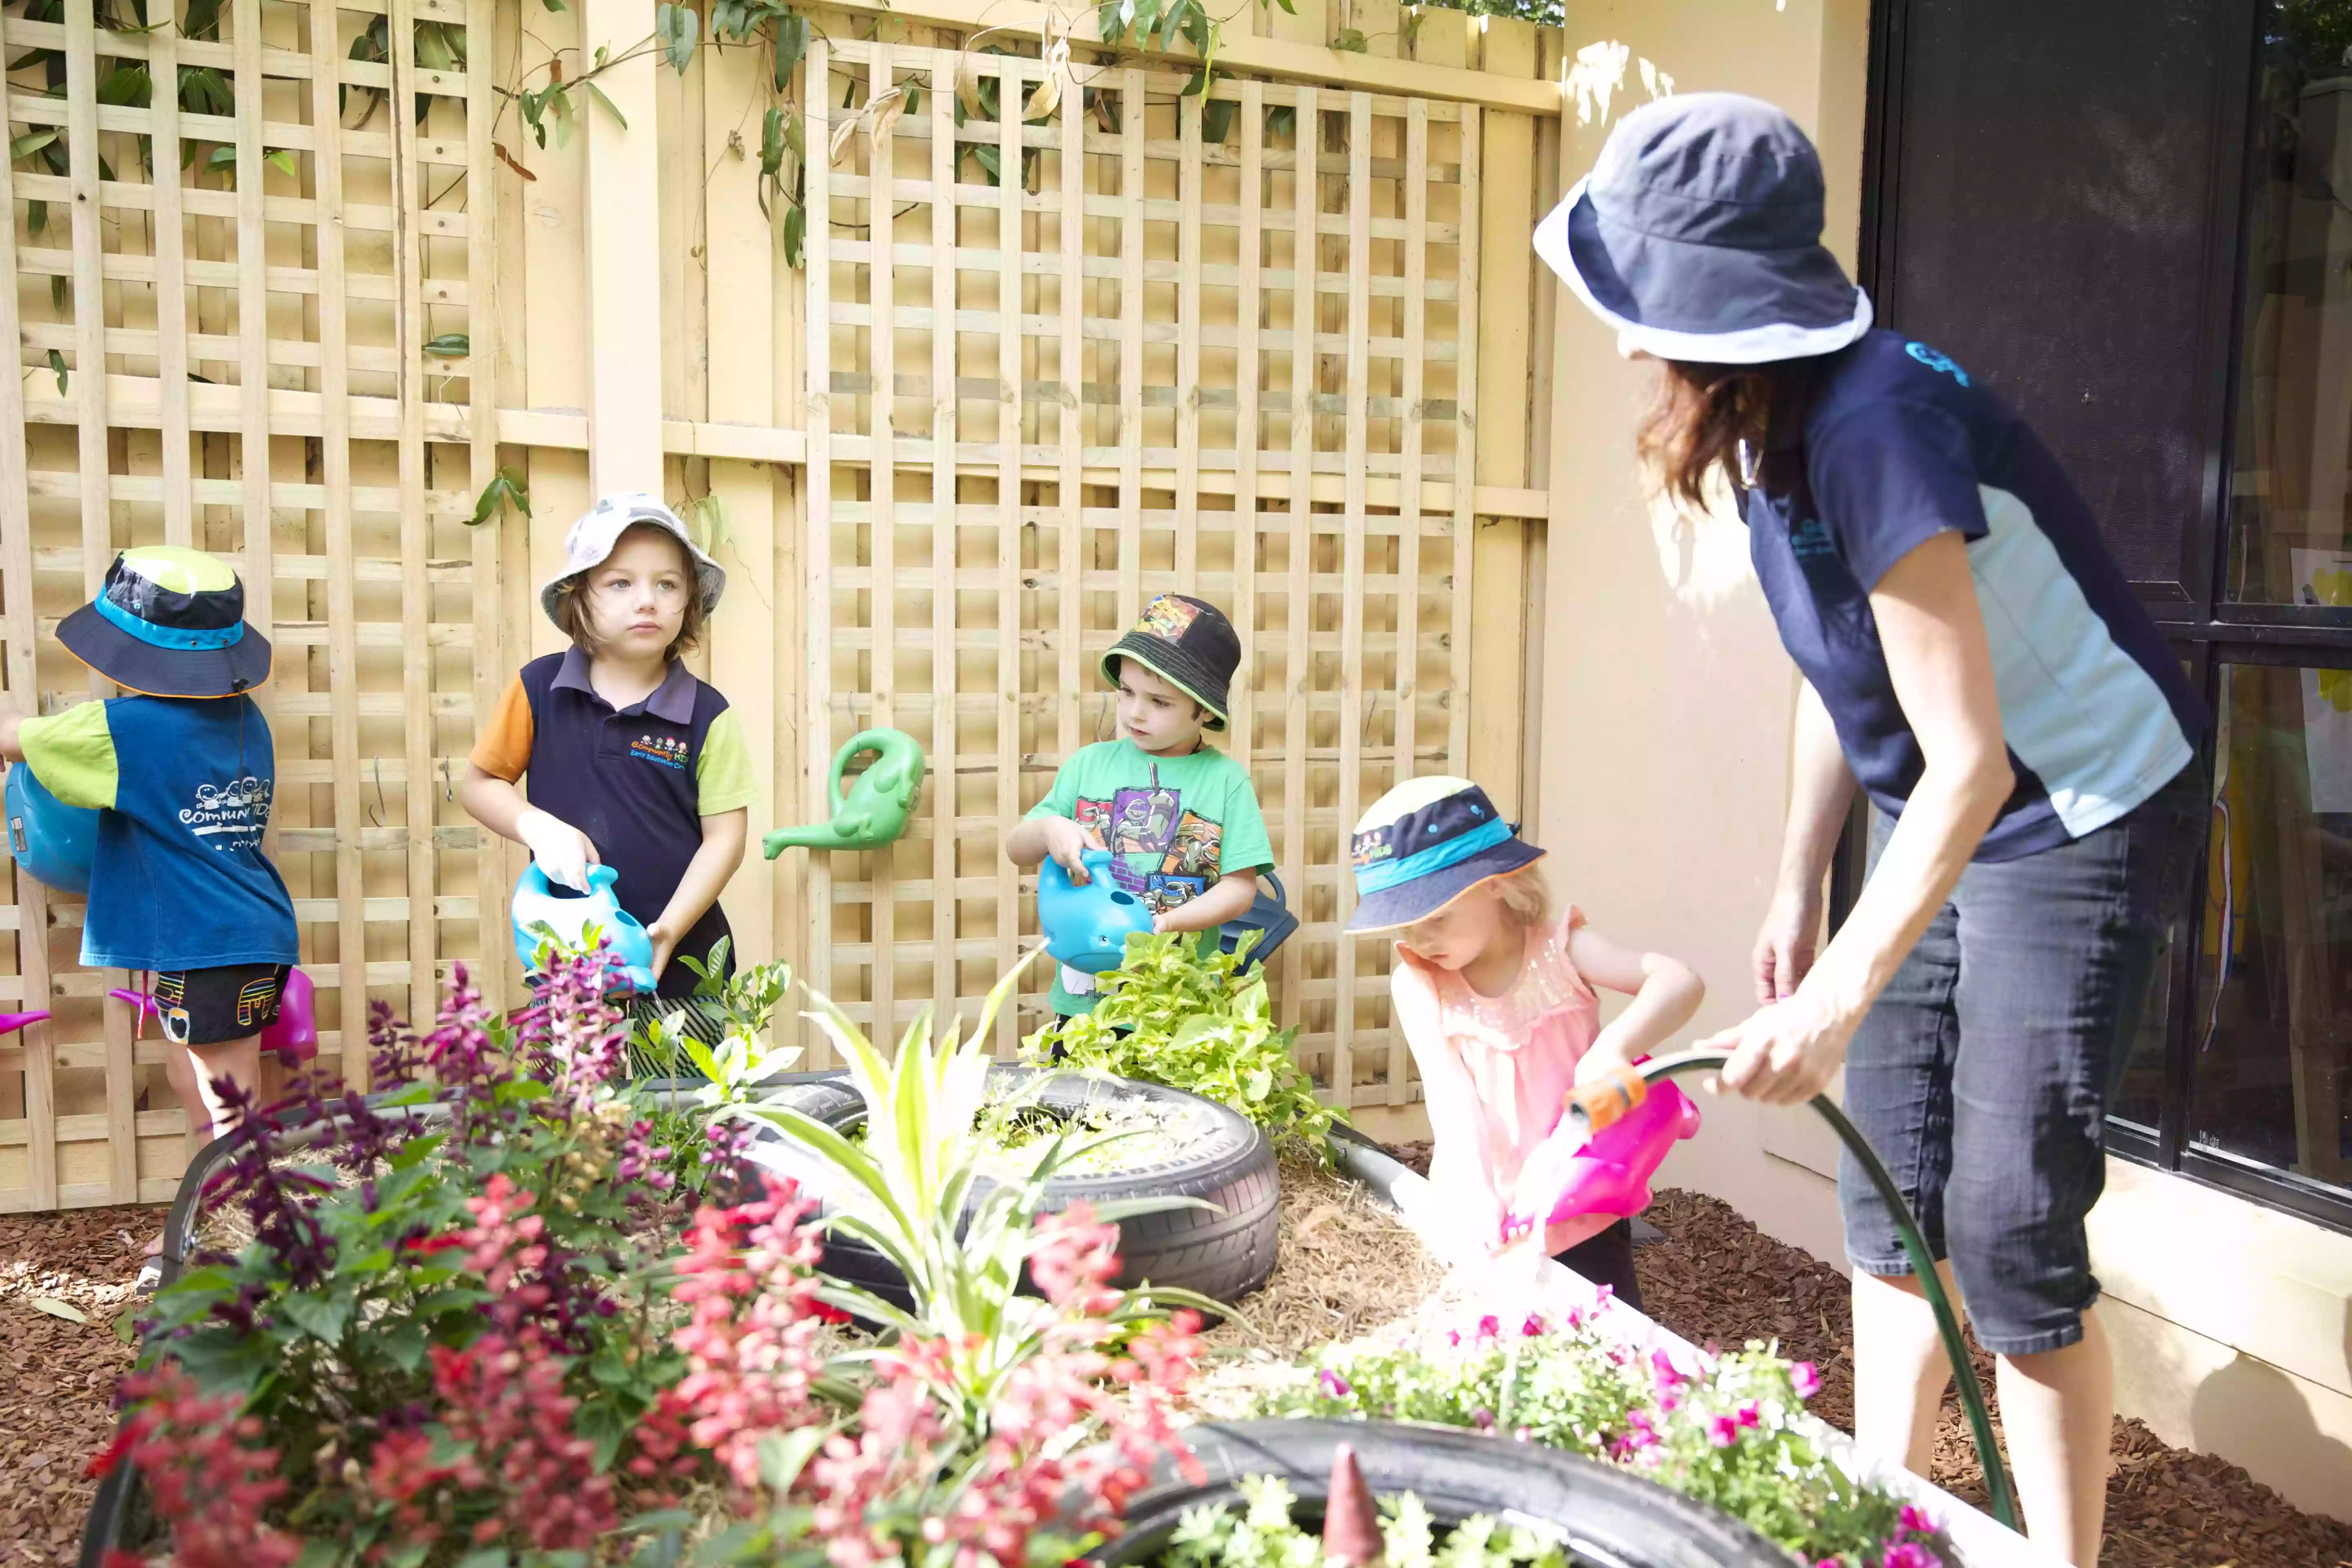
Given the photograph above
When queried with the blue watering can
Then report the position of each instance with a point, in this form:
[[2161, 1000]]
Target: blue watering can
[[570, 915], [1086, 928], [51, 841]]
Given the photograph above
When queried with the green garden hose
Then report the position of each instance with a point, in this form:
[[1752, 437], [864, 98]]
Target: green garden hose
[[1596, 1105]]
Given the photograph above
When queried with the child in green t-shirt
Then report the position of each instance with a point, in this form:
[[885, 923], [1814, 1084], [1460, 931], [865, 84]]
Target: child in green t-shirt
[[1181, 820]]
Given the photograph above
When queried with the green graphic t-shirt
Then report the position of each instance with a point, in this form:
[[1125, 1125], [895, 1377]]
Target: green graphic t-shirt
[[1174, 825]]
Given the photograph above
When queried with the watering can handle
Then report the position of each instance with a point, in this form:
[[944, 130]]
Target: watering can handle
[[534, 879], [859, 746]]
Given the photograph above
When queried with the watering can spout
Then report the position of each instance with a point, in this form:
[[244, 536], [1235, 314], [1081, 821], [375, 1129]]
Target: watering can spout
[[817, 836]]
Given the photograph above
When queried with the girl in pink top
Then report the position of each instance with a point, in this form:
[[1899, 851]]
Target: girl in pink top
[[1495, 996]]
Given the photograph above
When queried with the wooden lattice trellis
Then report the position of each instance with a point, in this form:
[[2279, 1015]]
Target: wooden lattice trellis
[[287, 354], [1200, 372], [267, 356]]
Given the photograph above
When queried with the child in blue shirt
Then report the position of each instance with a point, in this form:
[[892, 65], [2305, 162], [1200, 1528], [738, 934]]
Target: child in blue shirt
[[182, 774]]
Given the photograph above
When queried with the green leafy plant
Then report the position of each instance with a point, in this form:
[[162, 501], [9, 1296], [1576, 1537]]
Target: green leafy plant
[[1178, 1010], [742, 1007], [1728, 1430], [912, 1189], [1265, 1533], [508, 488]]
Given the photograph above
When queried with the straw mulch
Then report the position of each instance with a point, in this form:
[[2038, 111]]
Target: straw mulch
[[1346, 1267], [56, 1401], [1716, 1277]]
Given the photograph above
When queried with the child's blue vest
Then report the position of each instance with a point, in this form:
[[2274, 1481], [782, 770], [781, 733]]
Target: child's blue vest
[[179, 880]]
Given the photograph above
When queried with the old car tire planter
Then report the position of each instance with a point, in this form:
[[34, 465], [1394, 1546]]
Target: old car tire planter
[[1223, 1253], [1610, 1515]]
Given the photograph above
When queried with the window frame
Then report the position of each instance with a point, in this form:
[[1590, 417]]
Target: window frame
[[2206, 629]]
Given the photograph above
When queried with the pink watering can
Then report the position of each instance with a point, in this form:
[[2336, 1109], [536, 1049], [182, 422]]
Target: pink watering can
[[1600, 1157], [12, 1021], [293, 1038]]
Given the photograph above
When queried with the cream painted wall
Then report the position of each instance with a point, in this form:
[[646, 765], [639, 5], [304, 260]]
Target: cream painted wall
[[1665, 716]]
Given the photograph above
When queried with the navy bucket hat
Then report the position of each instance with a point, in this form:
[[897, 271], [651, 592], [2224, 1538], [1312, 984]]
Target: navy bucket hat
[[1424, 845], [1699, 236], [169, 622]]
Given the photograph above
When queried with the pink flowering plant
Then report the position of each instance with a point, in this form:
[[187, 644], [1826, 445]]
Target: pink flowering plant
[[913, 1190], [902, 1479], [479, 1327], [449, 1324], [1725, 1430]]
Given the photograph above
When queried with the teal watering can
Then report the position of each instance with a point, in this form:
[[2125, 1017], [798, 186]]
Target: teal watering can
[[569, 915], [880, 800], [51, 842], [1087, 927]]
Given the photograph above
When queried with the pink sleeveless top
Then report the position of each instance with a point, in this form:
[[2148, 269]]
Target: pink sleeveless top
[[1519, 1051]]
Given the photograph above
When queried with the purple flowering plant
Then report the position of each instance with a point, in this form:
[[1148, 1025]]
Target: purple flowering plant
[[332, 1330], [1724, 1429]]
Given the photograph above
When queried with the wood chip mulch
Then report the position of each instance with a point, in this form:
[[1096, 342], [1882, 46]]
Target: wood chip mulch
[[1716, 1277], [57, 1399]]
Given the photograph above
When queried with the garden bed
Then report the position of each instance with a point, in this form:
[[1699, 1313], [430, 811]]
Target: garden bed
[[494, 1341], [1717, 1276]]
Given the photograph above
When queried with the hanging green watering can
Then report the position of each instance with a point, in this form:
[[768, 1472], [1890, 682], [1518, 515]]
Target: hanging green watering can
[[879, 801]]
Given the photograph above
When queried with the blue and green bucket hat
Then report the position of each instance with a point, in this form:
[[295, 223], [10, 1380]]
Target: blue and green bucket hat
[[1424, 845], [169, 622]]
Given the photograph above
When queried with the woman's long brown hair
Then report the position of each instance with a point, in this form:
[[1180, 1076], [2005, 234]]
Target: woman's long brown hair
[[1703, 412]]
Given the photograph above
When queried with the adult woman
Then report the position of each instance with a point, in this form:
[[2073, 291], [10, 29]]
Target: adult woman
[[1976, 661]]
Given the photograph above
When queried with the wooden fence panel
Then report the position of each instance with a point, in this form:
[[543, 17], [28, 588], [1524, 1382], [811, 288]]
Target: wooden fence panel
[[254, 332], [1188, 359], [1226, 346]]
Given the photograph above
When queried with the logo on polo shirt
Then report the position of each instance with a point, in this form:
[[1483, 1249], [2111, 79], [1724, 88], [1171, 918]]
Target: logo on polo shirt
[[666, 750], [1809, 539], [1936, 359]]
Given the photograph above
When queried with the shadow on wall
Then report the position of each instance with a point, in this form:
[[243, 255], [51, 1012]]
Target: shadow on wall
[[2251, 1413]]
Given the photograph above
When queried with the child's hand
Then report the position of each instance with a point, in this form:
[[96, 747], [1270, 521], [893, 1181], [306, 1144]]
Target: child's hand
[[665, 941], [562, 851], [1065, 842], [1599, 1062]]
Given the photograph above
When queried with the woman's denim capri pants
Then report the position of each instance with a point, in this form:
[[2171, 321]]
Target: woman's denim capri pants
[[1982, 1075]]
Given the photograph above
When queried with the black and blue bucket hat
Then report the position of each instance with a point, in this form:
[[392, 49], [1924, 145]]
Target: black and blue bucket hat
[[1424, 845], [168, 622], [1697, 235]]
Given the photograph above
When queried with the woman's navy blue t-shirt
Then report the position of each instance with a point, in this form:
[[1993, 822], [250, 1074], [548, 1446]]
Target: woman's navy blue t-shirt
[[1896, 445]]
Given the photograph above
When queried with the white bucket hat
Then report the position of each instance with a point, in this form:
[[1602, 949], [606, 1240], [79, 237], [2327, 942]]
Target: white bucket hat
[[599, 528]]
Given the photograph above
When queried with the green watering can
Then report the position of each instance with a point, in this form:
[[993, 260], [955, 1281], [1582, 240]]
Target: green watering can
[[880, 799]]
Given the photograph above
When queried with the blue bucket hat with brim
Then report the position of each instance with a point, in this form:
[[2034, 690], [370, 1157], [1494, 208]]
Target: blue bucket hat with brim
[[168, 622], [1424, 845], [1697, 235]]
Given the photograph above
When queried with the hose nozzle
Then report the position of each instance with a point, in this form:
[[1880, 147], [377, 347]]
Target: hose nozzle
[[1595, 1105]]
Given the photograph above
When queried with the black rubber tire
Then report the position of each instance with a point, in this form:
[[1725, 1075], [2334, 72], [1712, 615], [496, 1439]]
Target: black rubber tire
[[1613, 1518], [1223, 1252]]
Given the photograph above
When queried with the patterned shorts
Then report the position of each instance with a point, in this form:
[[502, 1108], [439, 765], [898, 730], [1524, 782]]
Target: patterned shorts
[[208, 1007]]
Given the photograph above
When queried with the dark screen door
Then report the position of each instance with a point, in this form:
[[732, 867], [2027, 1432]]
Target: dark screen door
[[2041, 202]]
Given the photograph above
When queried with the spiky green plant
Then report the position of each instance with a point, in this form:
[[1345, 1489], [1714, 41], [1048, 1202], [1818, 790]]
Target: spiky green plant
[[912, 1190]]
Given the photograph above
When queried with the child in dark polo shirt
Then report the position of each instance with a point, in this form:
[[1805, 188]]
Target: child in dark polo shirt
[[633, 763]]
